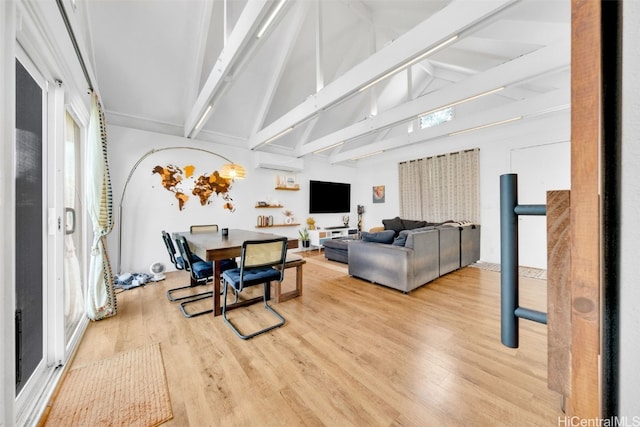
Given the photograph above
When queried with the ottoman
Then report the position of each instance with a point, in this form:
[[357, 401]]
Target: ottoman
[[337, 250]]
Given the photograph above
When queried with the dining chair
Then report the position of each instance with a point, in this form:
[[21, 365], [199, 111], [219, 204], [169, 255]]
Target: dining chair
[[178, 262], [204, 228], [201, 272], [258, 263]]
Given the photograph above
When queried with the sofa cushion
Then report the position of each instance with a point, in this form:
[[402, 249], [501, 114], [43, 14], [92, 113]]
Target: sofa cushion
[[386, 236], [394, 224], [410, 224], [418, 229]]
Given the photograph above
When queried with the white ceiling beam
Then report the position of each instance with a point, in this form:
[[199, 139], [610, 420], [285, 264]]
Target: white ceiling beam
[[551, 102], [534, 64], [448, 22], [200, 49], [319, 46], [280, 61], [243, 34]]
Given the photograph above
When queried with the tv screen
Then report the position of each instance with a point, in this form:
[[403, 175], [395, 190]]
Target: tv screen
[[329, 197]]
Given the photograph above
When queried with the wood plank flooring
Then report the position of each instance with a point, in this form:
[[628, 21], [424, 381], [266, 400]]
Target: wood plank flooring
[[351, 354]]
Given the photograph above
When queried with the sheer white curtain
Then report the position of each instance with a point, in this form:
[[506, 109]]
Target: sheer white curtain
[[441, 188], [101, 300]]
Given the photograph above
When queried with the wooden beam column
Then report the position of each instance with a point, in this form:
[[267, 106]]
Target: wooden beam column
[[559, 292], [586, 75]]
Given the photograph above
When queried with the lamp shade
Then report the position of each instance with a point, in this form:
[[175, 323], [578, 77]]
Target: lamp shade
[[233, 171]]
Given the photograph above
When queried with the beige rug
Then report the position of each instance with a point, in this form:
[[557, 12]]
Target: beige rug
[[129, 389]]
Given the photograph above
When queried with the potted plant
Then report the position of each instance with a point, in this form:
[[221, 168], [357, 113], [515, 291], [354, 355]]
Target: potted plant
[[304, 237]]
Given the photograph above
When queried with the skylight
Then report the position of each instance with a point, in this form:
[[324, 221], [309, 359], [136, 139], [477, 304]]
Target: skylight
[[435, 118]]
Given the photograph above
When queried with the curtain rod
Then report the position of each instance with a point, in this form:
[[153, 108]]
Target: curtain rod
[[74, 41], [439, 155]]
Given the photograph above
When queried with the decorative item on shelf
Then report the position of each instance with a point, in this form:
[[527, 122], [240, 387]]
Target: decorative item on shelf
[[288, 216], [304, 237], [286, 182], [345, 220], [311, 223], [291, 182], [265, 221]]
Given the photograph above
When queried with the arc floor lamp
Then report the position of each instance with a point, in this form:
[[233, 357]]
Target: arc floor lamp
[[229, 170]]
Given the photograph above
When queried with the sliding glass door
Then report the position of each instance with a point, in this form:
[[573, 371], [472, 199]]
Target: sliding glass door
[[73, 232], [50, 240], [30, 225]]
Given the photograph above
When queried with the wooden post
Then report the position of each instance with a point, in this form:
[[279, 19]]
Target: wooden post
[[586, 102], [558, 292]]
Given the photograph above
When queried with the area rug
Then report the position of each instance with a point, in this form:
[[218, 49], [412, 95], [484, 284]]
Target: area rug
[[533, 273], [129, 389]]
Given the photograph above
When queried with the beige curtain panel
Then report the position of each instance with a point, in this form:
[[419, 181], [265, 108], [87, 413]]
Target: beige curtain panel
[[101, 300], [441, 188]]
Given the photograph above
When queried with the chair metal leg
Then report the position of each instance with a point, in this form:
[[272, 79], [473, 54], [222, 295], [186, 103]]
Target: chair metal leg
[[183, 305], [171, 298], [188, 315], [192, 284], [265, 297]]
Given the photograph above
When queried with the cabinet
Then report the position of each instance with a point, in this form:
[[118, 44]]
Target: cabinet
[[318, 237]]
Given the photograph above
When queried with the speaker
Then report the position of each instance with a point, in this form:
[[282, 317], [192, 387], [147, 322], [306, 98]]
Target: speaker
[[360, 209]]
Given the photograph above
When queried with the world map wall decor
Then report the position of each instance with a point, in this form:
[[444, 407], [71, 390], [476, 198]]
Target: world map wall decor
[[182, 182]]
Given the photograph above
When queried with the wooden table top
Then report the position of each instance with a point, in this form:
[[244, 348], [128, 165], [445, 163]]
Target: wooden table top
[[214, 246]]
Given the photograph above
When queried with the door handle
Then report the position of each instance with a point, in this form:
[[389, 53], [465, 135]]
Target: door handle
[[71, 211]]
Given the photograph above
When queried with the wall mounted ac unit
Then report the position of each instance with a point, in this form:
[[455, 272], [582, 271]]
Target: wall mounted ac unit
[[278, 162]]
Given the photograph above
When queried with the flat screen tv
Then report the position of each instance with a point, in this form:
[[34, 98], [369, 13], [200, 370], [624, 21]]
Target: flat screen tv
[[329, 197]]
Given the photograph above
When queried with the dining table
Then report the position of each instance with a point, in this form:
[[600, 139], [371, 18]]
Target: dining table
[[215, 246]]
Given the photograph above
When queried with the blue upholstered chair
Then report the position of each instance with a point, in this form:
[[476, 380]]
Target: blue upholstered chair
[[201, 272], [178, 262], [257, 262]]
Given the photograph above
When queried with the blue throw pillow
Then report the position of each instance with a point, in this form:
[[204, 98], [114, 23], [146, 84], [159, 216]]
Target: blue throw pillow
[[399, 241], [386, 236]]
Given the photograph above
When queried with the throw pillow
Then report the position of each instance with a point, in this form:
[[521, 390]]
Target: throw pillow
[[394, 224], [379, 237], [401, 240]]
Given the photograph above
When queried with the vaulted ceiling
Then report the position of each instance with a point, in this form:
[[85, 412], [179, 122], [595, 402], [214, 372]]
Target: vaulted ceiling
[[335, 78]]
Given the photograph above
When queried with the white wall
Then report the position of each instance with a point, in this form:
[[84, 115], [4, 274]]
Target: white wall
[[538, 150], [630, 233], [148, 208], [525, 148]]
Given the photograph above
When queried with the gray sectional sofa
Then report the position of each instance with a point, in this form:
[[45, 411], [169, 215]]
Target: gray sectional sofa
[[426, 254]]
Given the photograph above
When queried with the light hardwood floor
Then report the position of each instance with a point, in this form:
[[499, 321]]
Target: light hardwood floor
[[351, 353]]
